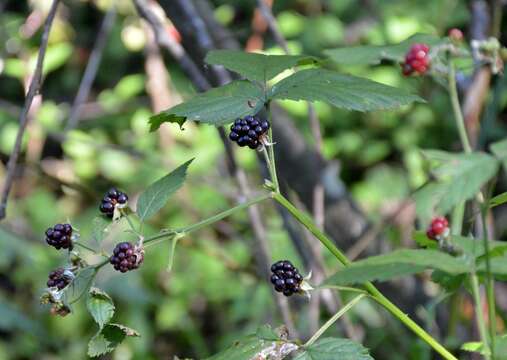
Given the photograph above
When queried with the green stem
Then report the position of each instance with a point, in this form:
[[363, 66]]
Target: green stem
[[131, 224], [222, 215], [490, 282], [307, 222], [84, 246], [174, 241], [458, 115], [474, 282], [333, 319], [271, 162]]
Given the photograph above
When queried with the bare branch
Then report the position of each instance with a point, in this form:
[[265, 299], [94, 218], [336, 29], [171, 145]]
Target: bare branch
[[33, 90], [91, 69]]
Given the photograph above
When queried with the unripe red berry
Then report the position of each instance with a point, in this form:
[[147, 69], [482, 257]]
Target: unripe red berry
[[438, 229], [416, 60], [455, 35]]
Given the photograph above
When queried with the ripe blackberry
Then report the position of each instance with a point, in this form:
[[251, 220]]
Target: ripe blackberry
[[111, 199], [126, 257], [438, 229], [248, 131], [59, 278], [60, 236], [416, 60], [286, 278]]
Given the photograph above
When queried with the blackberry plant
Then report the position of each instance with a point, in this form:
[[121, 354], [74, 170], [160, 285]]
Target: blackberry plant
[[459, 178]]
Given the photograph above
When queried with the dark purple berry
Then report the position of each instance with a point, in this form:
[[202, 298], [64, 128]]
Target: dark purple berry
[[110, 200], [285, 278], [57, 278], [248, 131], [126, 257], [60, 236]]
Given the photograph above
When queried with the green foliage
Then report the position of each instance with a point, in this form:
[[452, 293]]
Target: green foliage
[[256, 67], [395, 264], [334, 348], [251, 346], [218, 106], [100, 305], [156, 195], [108, 338], [459, 178], [374, 54], [499, 149], [342, 91], [99, 228]]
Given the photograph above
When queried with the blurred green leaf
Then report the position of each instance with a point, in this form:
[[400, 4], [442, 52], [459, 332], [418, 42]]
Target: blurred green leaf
[[254, 66], [130, 86], [499, 148], [107, 339], [156, 195], [99, 228], [498, 200], [217, 106], [373, 54], [343, 91], [100, 305], [460, 178], [333, 349], [56, 56], [395, 264]]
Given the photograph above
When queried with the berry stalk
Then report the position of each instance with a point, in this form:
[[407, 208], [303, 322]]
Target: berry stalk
[[307, 222]]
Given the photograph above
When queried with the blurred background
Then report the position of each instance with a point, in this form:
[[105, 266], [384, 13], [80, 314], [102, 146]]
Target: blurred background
[[366, 167]]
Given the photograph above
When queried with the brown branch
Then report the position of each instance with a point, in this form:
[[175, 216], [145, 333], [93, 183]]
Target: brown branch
[[33, 90], [202, 84], [91, 68]]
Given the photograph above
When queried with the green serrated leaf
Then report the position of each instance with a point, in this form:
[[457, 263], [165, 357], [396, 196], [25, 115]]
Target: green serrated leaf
[[498, 200], [395, 264], [475, 247], [244, 349], [343, 91], [100, 306], [254, 66], [460, 177], [217, 106], [156, 195], [81, 283], [266, 332], [107, 339], [499, 148], [372, 54], [99, 226], [333, 349]]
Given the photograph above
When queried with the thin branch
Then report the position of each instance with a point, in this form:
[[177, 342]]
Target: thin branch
[[33, 90], [91, 68], [273, 26], [202, 84]]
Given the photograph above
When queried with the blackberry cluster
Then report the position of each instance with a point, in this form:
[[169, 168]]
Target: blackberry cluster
[[60, 236], [416, 60], [111, 199], [58, 279], [248, 131], [126, 257], [438, 229], [286, 278]]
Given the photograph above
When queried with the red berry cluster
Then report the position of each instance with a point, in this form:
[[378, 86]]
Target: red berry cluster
[[416, 60], [438, 229], [126, 257]]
